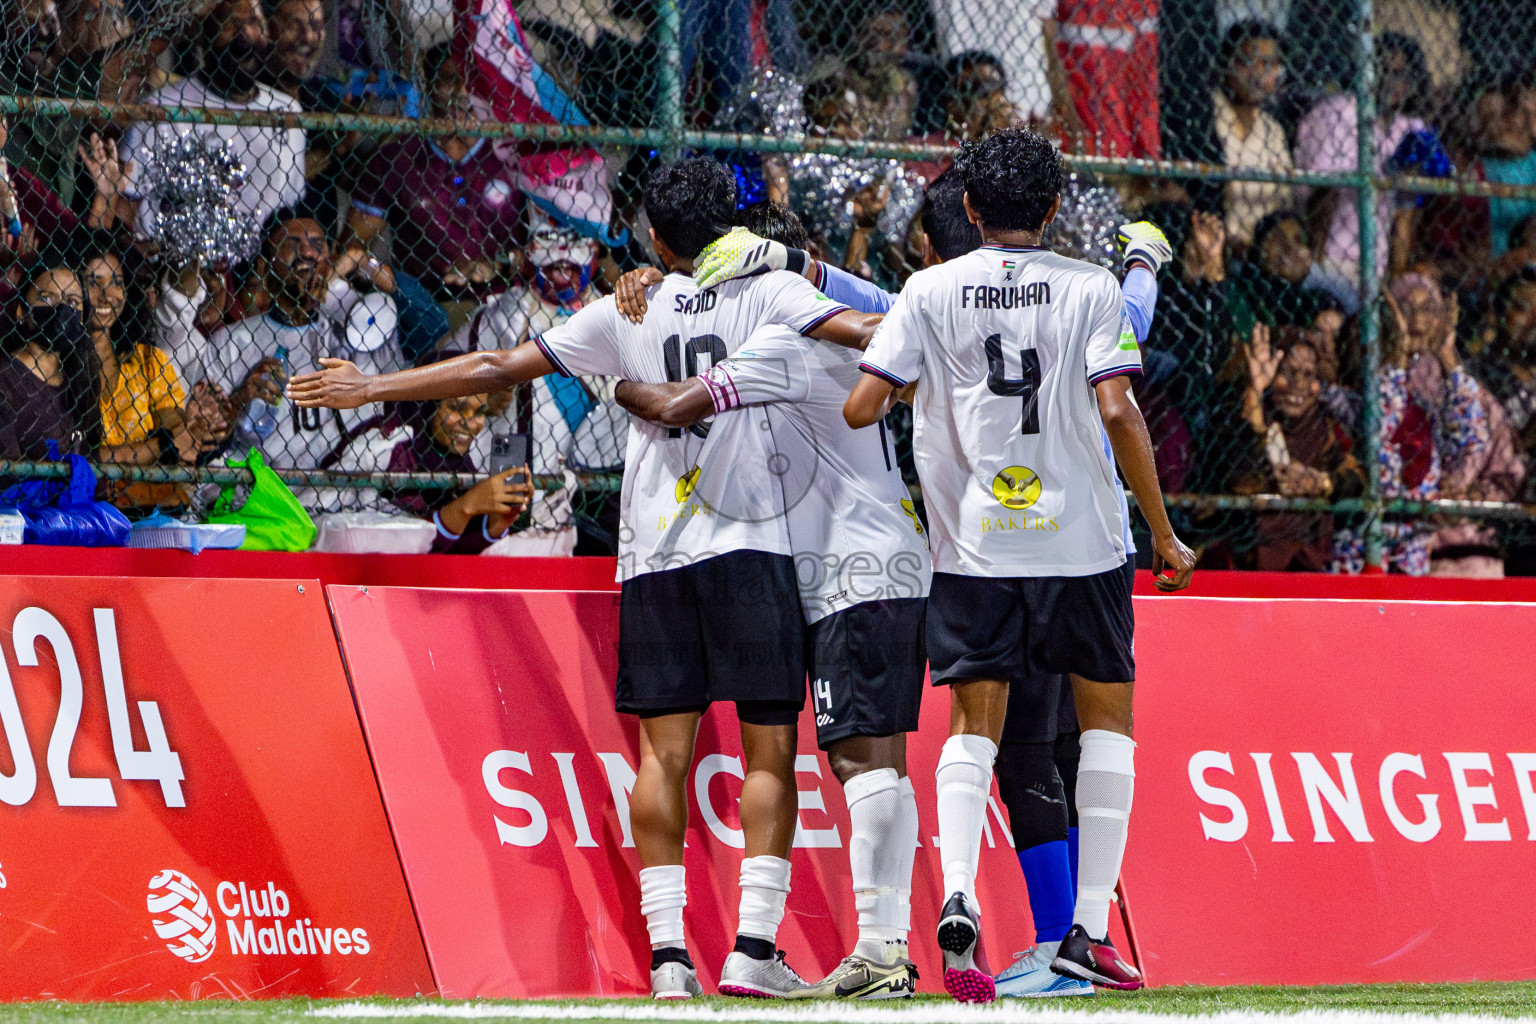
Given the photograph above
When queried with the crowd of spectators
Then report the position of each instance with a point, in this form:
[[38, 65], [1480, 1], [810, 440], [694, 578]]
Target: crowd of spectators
[[393, 249]]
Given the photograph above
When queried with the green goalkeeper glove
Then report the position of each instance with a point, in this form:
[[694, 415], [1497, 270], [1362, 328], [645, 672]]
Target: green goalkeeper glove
[[738, 254], [1144, 242]]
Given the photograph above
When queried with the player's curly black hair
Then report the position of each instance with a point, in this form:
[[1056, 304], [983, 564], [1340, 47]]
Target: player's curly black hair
[[1012, 177], [690, 203]]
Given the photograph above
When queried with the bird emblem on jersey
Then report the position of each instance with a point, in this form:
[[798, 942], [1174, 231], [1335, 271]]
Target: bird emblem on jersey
[[686, 484], [1016, 487], [911, 510]]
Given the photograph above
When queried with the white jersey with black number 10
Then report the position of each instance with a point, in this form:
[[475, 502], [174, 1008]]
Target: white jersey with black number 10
[[1007, 344], [715, 487]]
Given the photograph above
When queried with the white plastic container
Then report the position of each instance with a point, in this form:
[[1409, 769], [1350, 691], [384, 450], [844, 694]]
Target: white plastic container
[[374, 533], [12, 526], [164, 532]]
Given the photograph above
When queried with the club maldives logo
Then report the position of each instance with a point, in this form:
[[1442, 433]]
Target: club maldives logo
[[260, 918], [182, 916]]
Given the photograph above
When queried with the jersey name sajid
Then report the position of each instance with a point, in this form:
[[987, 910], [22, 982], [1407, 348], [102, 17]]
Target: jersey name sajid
[[699, 302], [1011, 297]]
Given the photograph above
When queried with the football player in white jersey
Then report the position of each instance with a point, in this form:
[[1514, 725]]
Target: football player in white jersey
[[1022, 360], [709, 609], [1037, 759], [864, 570]]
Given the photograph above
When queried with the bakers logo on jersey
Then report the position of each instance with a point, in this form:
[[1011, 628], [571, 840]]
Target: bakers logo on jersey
[[1016, 488]]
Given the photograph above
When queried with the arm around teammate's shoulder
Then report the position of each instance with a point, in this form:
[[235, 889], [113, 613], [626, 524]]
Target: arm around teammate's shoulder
[[848, 329], [1132, 446]]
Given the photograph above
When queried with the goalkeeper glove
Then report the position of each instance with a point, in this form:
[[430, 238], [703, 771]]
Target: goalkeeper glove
[[1144, 242], [741, 254]]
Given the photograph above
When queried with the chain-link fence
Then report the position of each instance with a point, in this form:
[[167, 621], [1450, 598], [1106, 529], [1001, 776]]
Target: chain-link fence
[[206, 197]]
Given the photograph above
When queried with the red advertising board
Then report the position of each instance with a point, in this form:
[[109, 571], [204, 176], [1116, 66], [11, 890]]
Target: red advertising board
[[506, 774], [186, 804], [1334, 791], [1327, 791]]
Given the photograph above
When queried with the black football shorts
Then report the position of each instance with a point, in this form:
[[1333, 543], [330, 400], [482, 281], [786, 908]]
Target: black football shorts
[[726, 628], [1020, 627], [866, 664]]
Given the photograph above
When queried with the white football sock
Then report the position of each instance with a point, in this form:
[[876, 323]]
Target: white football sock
[[662, 898], [905, 839], [964, 779], [1106, 779], [874, 807], [764, 888]]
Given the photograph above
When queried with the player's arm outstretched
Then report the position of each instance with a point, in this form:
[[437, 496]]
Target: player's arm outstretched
[[1132, 446], [341, 385]]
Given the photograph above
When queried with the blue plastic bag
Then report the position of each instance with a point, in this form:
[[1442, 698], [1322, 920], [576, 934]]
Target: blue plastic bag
[[67, 514]]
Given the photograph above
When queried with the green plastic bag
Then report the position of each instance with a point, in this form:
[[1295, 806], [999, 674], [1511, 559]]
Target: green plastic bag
[[273, 518]]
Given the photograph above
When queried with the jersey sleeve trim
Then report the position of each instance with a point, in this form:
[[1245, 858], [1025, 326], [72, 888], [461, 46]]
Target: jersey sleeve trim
[[885, 375], [838, 307], [550, 355], [1126, 370], [722, 389], [372, 211]]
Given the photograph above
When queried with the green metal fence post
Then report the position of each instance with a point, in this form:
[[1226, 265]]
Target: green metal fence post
[[1370, 284], [669, 78]]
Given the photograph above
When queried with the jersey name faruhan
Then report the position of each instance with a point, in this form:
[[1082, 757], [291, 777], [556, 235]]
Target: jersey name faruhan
[[692, 493], [854, 531], [1006, 345]]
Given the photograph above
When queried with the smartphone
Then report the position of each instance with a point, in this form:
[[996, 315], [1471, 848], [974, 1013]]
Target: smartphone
[[509, 451]]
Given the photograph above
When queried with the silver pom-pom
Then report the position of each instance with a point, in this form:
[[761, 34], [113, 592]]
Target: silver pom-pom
[[770, 102], [191, 183], [822, 188], [1086, 226]]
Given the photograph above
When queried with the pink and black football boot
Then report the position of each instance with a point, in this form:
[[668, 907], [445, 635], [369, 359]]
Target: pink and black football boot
[[960, 939], [1094, 960]]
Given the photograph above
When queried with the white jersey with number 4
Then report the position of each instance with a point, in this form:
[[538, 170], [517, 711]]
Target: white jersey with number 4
[[723, 486], [854, 530], [1006, 344]]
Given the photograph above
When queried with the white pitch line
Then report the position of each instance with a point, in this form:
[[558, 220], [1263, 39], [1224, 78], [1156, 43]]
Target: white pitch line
[[1010, 1012]]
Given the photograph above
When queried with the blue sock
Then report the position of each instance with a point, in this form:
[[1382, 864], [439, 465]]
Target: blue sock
[[1072, 856], [1048, 876]]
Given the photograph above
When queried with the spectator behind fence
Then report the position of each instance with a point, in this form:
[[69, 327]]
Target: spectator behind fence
[[1108, 50], [233, 48], [1508, 360], [146, 415], [1193, 328], [1247, 133], [879, 69], [1022, 35], [439, 437], [29, 52], [1326, 140], [46, 222], [1278, 286], [334, 158], [976, 96], [1506, 154], [307, 318], [572, 422], [449, 201], [1432, 420], [1303, 451], [50, 373]]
